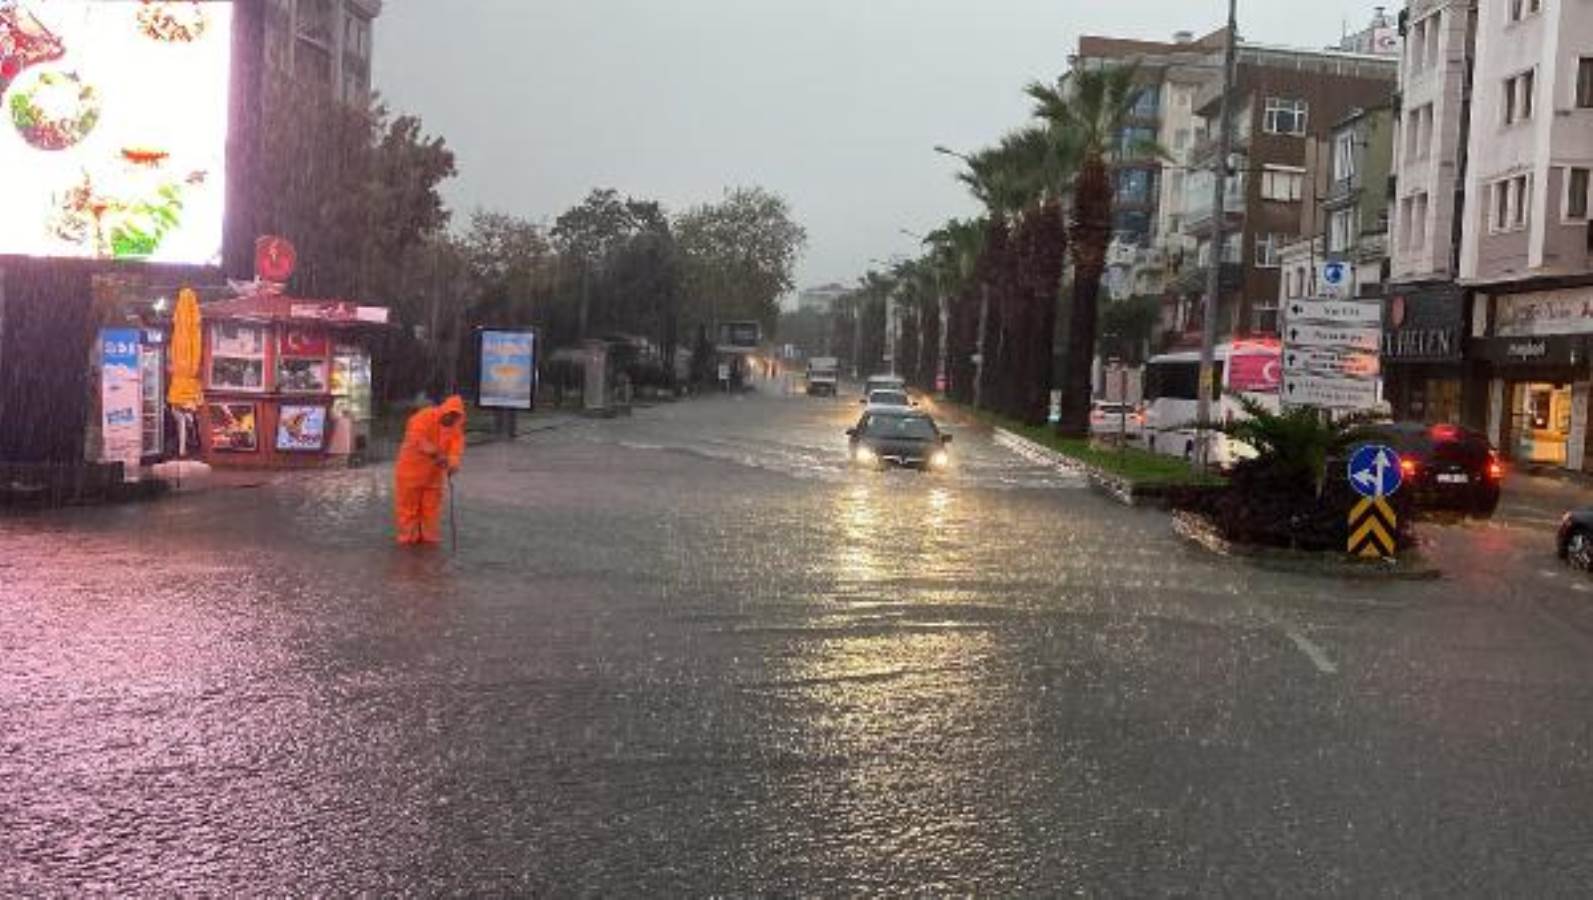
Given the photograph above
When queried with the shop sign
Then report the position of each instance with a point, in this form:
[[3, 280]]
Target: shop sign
[[339, 312], [1532, 351], [1546, 313], [1424, 325], [121, 400]]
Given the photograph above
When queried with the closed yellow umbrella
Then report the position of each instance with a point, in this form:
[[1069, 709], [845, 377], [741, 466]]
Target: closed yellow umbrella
[[185, 392]]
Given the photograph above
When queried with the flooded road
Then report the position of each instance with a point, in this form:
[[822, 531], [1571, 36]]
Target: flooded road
[[693, 652]]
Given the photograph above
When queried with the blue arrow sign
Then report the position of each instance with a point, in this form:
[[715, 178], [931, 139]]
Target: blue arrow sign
[[1375, 472]]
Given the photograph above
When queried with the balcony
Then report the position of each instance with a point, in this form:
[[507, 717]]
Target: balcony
[[1193, 279]]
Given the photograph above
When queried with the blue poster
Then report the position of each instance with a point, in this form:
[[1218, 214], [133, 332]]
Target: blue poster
[[508, 369], [121, 400]]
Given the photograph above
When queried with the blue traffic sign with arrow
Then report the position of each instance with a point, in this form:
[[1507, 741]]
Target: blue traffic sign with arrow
[[1375, 471]]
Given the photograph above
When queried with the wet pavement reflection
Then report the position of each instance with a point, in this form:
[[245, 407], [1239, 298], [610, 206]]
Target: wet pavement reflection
[[692, 651]]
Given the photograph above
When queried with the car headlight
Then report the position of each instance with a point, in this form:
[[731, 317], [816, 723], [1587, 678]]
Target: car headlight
[[940, 459], [865, 455]]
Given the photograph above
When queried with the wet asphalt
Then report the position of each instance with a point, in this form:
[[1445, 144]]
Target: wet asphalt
[[691, 652]]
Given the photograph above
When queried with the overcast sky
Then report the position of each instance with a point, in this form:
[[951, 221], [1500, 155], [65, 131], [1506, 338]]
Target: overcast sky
[[835, 104]]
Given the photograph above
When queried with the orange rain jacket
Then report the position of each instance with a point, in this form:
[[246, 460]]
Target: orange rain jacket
[[430, 452]]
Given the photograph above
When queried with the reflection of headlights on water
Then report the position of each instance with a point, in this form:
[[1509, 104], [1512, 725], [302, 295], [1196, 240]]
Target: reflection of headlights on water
[[940, 459], [865, 456]]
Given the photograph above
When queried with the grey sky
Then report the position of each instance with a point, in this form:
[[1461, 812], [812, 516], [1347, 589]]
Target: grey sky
[[833, 103]]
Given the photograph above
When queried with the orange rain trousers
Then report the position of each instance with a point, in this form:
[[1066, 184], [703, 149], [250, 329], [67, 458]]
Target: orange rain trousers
[[430, 451]]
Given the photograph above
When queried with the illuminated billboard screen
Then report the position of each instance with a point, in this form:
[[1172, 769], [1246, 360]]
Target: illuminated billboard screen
[[113, 128]]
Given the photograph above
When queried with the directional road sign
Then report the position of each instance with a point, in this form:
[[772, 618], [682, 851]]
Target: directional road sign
[[1374, 529], [1350, 337], [1329, 393], [1335, 312], [1375, 471], [1330, 362]]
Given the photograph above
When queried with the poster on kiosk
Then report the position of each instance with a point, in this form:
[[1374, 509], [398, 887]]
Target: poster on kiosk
[[121, 400]]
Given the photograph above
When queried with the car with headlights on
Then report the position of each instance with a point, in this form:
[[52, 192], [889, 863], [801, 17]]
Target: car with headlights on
[[891, 437]]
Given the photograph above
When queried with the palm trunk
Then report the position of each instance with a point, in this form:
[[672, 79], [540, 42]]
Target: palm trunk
[[1092, 221]]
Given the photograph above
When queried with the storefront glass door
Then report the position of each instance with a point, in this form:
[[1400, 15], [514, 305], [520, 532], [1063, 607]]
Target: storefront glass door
[[1540, 427], [152, 387]]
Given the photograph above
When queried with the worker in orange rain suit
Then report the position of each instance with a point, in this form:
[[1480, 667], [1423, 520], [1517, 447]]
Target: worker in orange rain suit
[[434, 441]]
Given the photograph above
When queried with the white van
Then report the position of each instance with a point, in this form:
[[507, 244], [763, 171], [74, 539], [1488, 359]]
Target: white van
[[1253, 369]]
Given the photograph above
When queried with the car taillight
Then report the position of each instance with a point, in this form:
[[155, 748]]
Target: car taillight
[[1410, 468], [1496, 469]]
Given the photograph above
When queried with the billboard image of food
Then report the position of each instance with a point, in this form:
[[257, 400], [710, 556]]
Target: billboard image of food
[[113, 128]]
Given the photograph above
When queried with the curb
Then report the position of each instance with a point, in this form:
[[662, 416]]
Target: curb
[[1197, 530], [1114, 487]]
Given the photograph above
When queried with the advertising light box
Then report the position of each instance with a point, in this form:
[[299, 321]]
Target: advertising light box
[[113, 129]]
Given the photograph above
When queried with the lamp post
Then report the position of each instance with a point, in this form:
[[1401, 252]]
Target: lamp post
[[1208, 329]]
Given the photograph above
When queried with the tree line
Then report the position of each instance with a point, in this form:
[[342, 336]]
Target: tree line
[[1021, 281], [358, 191]]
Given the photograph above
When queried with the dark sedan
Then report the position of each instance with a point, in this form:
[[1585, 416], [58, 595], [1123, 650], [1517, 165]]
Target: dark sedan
[[1447, 467], [895, 437]]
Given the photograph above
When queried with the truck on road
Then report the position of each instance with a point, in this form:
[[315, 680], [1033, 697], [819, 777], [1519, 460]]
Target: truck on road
[[824, 376]]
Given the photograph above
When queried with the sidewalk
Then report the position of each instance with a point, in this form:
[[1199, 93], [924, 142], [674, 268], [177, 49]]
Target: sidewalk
[[1539, 500]]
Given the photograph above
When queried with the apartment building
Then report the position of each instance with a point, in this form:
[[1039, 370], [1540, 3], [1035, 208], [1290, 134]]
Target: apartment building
[[1526, 250], [324, 43], [1147, 237], [1285, 103], [1425, 372], [1345, 219]]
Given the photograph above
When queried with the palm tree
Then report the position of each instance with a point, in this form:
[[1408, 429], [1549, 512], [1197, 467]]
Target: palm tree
[[1090, 106], [955, 249]]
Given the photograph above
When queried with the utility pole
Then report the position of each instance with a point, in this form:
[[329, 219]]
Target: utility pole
[[1208, 336]]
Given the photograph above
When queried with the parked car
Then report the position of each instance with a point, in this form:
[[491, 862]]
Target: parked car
[[1447, 467], [1575, 541], [1107, 420], [899, 438]]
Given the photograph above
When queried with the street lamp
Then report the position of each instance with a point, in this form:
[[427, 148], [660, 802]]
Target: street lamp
[[947, 151], [1208, 326]]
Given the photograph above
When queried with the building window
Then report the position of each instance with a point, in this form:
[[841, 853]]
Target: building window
[[1146, 104], [1576, 196], [1133, 186], [1584, 83], [1518, 96], [1284, 117], [1181, 139], [1133, 141], [1520, 9], [1512, 203], [1434, 27], [237, 357], [1264, 319], [1267, 246], [1344, 145], [1232, 248], [1283, 184], [1419, 223], [1417, 45], [1341, 230]]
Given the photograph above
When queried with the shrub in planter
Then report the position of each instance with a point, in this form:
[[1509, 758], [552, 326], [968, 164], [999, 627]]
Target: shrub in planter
[[1285, 497]]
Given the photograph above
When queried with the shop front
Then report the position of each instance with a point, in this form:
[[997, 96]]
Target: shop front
[[1538, 391], [1423, 355], [287, 382]]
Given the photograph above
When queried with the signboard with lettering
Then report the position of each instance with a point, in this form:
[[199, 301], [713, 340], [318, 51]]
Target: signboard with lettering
[[1330, 349], [1350, 337], [1329, 393], [1339, 312], [121, 402], [1425, 325], [1561, 350], [1545, 313], [1332, 362]]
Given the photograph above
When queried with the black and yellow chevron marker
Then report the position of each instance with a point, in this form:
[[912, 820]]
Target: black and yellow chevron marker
[[1373, 529]]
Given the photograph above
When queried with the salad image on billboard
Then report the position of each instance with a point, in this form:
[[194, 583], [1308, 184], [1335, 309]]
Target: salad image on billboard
[[113, 128]]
